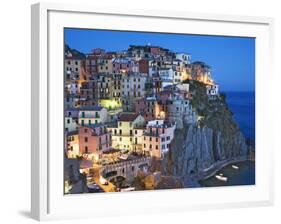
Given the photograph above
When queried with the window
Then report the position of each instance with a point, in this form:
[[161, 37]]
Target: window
[[120, 139], [120, 131], [144, 145], [156, 147], [150, 146], [85, 130], [133, 168], [163, 139], [120, 124], [83, 114], [156, 139], [68, 121], [150, 139], [76, 62], [86, 139], [82, 122], [68, 62], [131, 132], [86, 149]]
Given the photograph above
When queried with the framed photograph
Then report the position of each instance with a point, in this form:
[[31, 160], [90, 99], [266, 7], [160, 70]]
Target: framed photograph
[[138, 111]]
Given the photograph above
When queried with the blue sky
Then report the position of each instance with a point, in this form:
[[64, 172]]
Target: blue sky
[[232, 58]]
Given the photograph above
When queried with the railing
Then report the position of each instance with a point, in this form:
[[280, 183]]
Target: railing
[[126, 163]]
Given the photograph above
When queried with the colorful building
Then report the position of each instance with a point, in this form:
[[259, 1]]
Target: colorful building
[[94, 140], [180, 111], [157, 138], [186, 58], [212, 90], [92, 115], [124, 65], [70, 124], [133, 87], [73, 144], [127, 133]]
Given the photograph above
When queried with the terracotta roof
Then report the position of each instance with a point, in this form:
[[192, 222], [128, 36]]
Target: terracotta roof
[[128, 116]]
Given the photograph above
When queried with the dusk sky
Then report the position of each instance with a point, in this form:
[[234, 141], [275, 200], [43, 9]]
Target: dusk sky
[[232, 59]]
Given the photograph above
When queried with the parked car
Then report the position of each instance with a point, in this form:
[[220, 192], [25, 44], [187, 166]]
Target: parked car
[[93, 186], [103, 181], [127, 189]]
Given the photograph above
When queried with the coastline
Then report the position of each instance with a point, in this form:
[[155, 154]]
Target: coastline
[[193, 181]]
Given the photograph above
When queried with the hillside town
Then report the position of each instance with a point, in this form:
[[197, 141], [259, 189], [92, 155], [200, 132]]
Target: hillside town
[[122, 110]]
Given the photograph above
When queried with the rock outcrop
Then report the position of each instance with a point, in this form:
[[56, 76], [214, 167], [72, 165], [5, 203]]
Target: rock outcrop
[[216, 138]]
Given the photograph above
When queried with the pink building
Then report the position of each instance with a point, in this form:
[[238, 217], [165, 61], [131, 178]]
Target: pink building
[[147, 107], [94, 140], [124, 65], [157, 138]]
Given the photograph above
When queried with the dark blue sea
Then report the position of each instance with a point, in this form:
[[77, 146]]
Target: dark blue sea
[[244, 175], [242, 104]]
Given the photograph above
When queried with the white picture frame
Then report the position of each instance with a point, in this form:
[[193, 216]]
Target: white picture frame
[[47, 201]]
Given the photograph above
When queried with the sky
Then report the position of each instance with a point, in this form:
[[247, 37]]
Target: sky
[[232, 59]]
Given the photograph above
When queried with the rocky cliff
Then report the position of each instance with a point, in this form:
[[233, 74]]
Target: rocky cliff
[[214, 140]]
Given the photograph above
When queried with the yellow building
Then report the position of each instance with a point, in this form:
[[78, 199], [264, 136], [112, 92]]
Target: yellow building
[[72, 144], [127, 134]]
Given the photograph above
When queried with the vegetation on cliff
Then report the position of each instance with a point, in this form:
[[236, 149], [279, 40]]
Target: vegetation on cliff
[[216, 137]]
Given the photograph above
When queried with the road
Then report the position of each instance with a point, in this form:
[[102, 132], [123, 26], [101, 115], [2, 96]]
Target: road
[[96, 177]]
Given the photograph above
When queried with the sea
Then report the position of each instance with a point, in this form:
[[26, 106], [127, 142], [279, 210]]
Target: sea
[[242, 105]]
